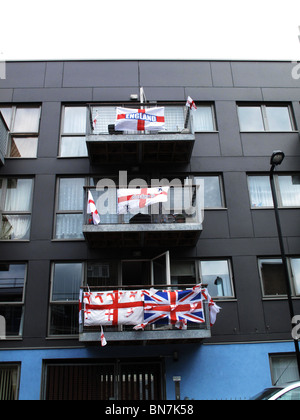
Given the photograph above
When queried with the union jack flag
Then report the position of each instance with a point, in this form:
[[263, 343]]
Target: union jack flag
[[173, 307]]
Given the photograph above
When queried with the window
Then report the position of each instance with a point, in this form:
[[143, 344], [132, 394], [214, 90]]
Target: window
[[73, 132], [213, 191], [283, 368], [265, 118], [9, 382], [23, 123], [273, 277], [66, 281], [203, 118], [12, 285], [69, 214], [15, 208], [217, 275], [287, 188]]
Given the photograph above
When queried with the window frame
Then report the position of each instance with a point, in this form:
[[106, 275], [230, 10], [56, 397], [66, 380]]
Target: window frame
[[67, 212], [4, 212], [63, 303], [22, 134], [266, 125], [230, 274], [18, 304], [291, 277], [78, 134], [277, 189]]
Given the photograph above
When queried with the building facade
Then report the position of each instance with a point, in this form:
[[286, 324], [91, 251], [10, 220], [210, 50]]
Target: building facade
[[58, 142]]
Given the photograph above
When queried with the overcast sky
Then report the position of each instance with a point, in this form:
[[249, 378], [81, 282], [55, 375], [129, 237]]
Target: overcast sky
[[152, 29]]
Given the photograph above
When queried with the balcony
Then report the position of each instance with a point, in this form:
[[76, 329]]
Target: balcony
[[107, 146], [153, 333], [3, 139], [163, 224]]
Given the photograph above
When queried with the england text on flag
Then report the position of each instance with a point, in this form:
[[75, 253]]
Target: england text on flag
[[140, 119], [132, 199], [91, 209]]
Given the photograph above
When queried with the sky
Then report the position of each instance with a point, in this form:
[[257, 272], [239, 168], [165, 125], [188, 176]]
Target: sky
[[152, 29]]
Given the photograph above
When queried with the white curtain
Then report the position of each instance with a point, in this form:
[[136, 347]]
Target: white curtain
[[73, 146], [74, 120], [202, 119], [18, 195], [15, 227], [260, 191], [290, 190], [27, 120]]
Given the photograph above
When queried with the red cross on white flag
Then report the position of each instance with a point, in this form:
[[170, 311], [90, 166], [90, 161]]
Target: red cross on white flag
[[132, 199], [128, 119], [91, 209]]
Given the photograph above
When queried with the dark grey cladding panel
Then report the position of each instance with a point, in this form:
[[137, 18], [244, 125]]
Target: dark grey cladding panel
[[24, 74], [263, 74], [100, 73], [175, 73]]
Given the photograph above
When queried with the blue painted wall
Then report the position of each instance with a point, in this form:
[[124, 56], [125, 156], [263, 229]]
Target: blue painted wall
[[233, 371]]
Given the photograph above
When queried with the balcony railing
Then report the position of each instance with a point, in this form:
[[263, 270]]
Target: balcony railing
[[106, 145], [151, 333], [3, 139], [176, 222]]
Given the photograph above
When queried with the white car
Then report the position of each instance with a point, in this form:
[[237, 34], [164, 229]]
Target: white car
[[284, 392]]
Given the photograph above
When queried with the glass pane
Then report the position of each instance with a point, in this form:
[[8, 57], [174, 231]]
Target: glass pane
[[13, 315], [212, 191], [295, 263], [15, 227], [290, 190], [27, 120], [64, 319], [18, 195], [284, 369], [102, 117], [71, 194], [7, 113], [9, 383], [74, 120], [278, 118], [23, 147], [174, 118], [136, 273], [102, 274], [67, 280], [69, 226], [203, 119], [183, 272], [273, 279], [73, 147], [12, 278], [260, 191], [250, 118], [292, 395], [216, 275]]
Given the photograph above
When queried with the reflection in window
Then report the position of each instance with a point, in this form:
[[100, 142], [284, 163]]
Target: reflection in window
[[66, 282], [265, 118], [12, 283], [216, 274], [73, 141], [272, 276], [16, 193]]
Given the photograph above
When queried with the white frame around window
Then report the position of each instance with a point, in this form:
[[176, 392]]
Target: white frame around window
[[265, 127]]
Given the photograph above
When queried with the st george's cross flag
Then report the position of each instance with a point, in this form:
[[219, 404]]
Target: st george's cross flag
[[91, 209], [214, 309], [128, 119], [173, 307], [191, 104], [116, 307], [133, 199]]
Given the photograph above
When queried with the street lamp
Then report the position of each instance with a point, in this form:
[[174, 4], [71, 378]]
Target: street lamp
[[276, 159]]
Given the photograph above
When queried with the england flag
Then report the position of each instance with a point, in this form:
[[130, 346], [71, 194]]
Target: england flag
[[132, 199], [152, 119]]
